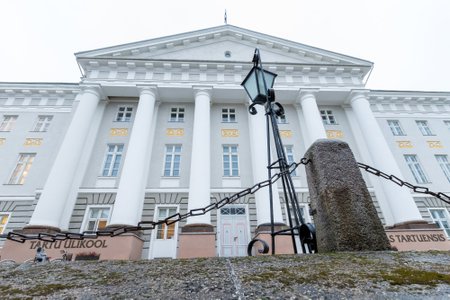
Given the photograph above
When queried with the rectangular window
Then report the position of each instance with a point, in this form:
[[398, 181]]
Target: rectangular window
[[172, 161], [416, 168], [230, 160], [424, 128], [124, 114], [42, 123], [8, 123], [281, 119], [97, 218], [444, 164], [228, 115], [440, 218], [396, 128], [328, 117], [176, 114], [4, 217], [163, 231], [289, 150], [112, 160], [22, 168]]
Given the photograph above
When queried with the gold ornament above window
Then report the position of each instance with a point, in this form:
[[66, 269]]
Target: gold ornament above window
[[404, 144], [33, 142], [286, 133], [230, 133], [175, 131], [335, 134], [118, 132], [435, 144]]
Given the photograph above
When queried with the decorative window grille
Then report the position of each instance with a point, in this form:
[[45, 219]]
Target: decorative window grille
[[97, 218], [228, 115], [444, 164], [289, 150], [424, 128], [440, 218], [163, 231], [42, 123], [22, 168], [172, 161], [230, 160], [177, 114], [416, 168], [8, 123], [328, 117], [395, 127], [124, 114], [232, 210], [112, 160]]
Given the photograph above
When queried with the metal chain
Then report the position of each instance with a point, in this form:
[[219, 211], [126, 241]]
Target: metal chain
[[398, 181], [150, 225]]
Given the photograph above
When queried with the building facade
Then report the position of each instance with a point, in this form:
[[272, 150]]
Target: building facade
[[160, 127]]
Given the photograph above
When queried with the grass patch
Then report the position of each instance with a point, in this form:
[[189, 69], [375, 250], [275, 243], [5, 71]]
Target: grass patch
[[406, 276]]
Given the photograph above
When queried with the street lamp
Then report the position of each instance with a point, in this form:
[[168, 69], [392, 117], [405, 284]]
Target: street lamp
[[259, 86]]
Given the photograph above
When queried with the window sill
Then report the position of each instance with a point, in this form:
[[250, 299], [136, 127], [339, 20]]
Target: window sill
[[175, 121], [13, 184], [228, 122]]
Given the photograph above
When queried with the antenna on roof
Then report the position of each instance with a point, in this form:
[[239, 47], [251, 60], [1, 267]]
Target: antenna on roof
[[225, 17]]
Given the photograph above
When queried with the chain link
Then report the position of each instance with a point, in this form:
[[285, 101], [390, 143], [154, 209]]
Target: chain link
[[398, 181], [150, 225]]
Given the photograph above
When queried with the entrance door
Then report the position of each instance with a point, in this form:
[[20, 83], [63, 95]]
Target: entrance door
[[164, 237], [234, 231]]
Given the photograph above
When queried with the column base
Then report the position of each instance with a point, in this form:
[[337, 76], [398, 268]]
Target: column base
[[283, 243], [197, 240], [417, 236]]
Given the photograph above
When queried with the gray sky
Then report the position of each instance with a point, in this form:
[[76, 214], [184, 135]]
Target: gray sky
[[408, 40]]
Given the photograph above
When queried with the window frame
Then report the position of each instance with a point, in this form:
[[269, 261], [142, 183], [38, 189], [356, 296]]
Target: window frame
[[396, 129], [444, 164], [8, 125], [20, 179], [86, 217], [328, 117], [166, 227], [229, 164], [424, 127], [418, 172], [173, 154], [124, 118], [4, 226], [177, 113], [436, 221], [43, 125], [290, 157], [230, 116], [110, 168]]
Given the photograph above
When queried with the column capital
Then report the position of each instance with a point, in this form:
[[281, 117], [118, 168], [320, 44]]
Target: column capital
[[150, 89], [94, 89], [202, 89], [306, 93], [357, 94]]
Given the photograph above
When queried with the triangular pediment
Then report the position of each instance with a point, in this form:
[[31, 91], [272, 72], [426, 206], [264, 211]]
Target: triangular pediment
[[223, 43]]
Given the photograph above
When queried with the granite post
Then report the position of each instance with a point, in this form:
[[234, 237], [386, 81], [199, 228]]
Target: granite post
[[343, 211]]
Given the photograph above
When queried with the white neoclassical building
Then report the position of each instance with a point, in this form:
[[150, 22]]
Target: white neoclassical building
[[162, 126]]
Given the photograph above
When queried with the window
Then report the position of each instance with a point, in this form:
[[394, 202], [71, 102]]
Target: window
[[8, 123], [172, 161], [42, 123], [396, 129], [416, 168], [97, 218], [230, 160], [228, 115], [163, 231], [328, 117], [289, 150], [444, 164], [124, 114], [281, 119], [177, 114], [232, 210], [440, 218], [4, 217], [112, 160], [424, 128], [22, 168]]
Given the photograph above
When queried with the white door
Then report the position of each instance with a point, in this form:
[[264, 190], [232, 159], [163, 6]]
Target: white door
[[164, 237], [233, 231]]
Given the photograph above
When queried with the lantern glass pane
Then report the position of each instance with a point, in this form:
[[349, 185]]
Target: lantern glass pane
[[250, 85]]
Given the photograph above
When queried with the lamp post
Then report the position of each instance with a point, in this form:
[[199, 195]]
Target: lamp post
[[259, 86]]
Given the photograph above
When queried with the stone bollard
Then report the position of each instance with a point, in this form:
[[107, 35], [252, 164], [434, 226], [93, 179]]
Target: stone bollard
[[343, 211]]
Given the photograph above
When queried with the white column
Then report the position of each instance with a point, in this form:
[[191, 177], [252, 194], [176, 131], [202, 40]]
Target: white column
[[131, 191], [200, 175], [401, 203], [311, 114], [258, 146], [50, 206]]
